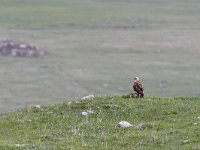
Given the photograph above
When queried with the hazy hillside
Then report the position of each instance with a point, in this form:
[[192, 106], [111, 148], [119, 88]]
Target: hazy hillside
[[97, 47]]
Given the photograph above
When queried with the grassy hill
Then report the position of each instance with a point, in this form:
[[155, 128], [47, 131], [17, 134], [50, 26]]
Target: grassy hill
[[157, 124]]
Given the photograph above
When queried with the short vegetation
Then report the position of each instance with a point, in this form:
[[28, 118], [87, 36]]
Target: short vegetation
[[157, 124]]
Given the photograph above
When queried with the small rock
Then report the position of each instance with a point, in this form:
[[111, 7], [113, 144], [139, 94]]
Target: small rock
[[198, 117], [37, 106], [186, 141], [88, 97], [124, 124], [84, 113], [20, 145]]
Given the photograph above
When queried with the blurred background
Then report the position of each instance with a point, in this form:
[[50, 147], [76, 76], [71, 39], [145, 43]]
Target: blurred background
[[98, 47]]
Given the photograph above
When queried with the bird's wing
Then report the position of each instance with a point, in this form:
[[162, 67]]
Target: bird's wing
[[138, 85]]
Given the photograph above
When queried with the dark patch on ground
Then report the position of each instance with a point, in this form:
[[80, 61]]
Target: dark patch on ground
[[19, 49]]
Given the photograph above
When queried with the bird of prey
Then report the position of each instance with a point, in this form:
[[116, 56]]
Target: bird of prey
[[138, 88]]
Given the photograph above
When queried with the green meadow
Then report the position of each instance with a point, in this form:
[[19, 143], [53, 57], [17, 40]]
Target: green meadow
[[157, 124], [97, 47]]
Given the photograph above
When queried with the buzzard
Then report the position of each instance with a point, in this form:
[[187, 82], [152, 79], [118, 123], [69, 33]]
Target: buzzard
[[138, 88]]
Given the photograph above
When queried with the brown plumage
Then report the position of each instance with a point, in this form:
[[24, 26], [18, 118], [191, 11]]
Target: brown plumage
[[138, 88]]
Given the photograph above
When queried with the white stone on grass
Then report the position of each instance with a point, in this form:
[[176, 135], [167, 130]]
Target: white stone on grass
[[124, 124], [37, 106], [84, 113], [88, 97], [20, 145], [186, 141]]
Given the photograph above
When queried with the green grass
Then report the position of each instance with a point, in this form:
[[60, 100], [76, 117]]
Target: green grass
[[166, 124], [97, 47]]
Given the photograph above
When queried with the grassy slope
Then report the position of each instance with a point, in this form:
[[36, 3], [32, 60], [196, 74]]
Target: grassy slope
[[167, 124]]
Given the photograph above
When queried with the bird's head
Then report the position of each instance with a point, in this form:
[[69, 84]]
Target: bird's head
[[136, 79]]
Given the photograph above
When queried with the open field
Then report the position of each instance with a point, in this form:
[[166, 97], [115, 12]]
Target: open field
[[97, 46], [158, 124]]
